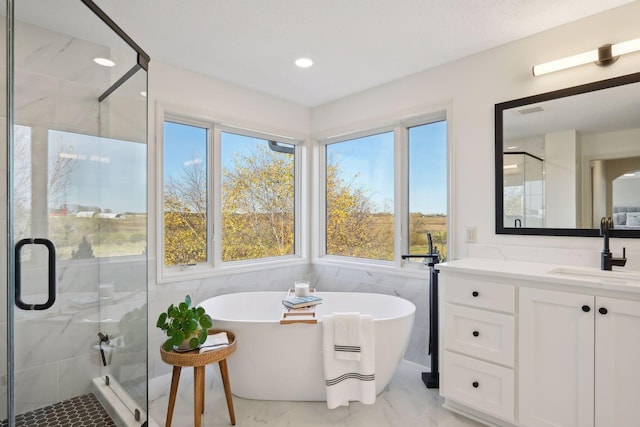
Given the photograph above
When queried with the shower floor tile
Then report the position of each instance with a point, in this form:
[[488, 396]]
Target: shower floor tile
[[81, 411]]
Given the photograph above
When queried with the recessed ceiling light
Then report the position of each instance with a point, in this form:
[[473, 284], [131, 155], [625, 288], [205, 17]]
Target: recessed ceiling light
[[105, 62], [512, 147], [304, 62], [143, 93]]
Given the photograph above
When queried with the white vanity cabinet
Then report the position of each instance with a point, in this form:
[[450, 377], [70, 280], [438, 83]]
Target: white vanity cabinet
[[479, 333], [528, 345], [579, 361]]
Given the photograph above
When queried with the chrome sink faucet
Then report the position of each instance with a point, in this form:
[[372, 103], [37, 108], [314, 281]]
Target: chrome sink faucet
[[607, 260]]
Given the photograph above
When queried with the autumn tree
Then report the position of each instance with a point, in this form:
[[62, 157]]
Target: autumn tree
[[258, 196], [354, 228], [258, 212], [185, 219]]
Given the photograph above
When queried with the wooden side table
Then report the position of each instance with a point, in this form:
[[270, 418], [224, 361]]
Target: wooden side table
[[199, 360]]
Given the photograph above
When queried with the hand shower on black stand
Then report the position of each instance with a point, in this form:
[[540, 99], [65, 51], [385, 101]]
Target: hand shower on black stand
[[104, 339], [431, 379]]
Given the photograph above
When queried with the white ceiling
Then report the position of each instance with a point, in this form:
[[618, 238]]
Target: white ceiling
[[356, 44]]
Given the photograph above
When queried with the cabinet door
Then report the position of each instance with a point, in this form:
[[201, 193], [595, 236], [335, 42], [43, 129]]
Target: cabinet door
[[617, 397], [556, 358]]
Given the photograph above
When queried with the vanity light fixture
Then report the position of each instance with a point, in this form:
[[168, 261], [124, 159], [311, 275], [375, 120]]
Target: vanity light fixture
[[604, 56], [105, 62]]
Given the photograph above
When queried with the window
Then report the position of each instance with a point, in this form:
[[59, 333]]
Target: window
[[96, 189], [365, 194], [258, 198], [246, 192], [185, 194], [69, 186], [359, 197], [427, 148]]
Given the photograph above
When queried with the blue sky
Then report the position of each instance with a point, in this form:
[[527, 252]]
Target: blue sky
[[428, 168], [371, 157], [187, 144], [108, 173]]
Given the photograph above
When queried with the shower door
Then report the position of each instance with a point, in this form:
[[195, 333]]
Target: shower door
[[77, 233]]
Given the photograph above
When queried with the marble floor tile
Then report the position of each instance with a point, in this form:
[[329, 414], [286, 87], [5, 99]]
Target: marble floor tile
[[406, 402]]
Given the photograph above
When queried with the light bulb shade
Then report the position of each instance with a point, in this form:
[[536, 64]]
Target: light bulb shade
[[564, 63], [587, 57], [625, 47]]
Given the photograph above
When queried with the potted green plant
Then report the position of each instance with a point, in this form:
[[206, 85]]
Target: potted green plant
[[185, 326]]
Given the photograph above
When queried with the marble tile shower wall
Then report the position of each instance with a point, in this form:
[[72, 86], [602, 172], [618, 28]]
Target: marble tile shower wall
[[323, 278], [56, 350]]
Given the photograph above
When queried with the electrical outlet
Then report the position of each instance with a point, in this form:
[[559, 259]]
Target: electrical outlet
[[471, 235]]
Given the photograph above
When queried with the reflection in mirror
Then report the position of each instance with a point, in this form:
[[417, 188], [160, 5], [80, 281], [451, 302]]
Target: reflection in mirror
[[567, 158], [523, 190]]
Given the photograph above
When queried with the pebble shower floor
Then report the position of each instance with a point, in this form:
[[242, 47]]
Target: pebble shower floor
[[81, 411]]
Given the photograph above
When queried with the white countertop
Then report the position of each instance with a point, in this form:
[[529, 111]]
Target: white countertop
[[620, 279]]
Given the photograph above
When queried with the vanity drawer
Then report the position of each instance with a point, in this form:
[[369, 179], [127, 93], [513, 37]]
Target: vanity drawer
[[480, 385], [478, 293], [478, 333]]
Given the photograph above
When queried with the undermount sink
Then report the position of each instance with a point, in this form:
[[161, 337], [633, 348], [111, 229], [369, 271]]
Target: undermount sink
[[596, 275]]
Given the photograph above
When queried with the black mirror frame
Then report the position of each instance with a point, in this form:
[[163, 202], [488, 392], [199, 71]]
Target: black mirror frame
[[499, 189]]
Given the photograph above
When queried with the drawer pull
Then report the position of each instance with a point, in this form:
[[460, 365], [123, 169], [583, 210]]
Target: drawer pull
[[476, 333], [602, 310], [475, 384], [586, 308], [475, 293]]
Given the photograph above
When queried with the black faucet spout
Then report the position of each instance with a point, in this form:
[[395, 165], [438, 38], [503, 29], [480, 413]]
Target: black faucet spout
[[607, 260]]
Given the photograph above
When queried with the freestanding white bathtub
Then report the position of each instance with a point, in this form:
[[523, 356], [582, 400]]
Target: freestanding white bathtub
[[284, 362]]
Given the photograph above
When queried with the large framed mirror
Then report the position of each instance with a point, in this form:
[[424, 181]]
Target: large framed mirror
[[567, 158]]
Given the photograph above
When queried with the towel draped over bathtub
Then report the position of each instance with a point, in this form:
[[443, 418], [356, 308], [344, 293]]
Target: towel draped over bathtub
[[348, 358]]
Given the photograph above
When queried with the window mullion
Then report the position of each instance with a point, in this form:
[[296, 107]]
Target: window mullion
[[401, 214], [215, 205]]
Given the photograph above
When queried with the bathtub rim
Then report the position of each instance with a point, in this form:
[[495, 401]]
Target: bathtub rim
[[410, 312]]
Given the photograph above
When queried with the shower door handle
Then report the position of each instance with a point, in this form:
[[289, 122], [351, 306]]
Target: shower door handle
[[51, 298]]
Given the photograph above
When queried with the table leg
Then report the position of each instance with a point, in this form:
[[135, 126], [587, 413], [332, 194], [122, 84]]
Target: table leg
[[198, 401], [175, 379], [227, 389], [204, 378]]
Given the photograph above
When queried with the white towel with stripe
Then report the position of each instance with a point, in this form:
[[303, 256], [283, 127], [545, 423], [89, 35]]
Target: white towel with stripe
[[348, 379], [346, 336]]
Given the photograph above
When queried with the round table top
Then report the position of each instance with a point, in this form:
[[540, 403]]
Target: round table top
[[195, 358]]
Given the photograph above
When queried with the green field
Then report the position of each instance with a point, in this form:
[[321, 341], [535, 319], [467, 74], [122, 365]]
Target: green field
[[127, 236], [106, 237]]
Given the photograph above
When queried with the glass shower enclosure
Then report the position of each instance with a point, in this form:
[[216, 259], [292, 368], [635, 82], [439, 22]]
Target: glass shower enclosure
[[524, 187], [74, 184]]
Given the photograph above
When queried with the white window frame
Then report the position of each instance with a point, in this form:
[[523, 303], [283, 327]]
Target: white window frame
[[400, 126], [214, 265]]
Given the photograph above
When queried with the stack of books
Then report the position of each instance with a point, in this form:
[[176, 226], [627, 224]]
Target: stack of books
[[299, 309], [295, 302]]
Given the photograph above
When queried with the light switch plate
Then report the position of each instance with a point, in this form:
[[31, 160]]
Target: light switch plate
[[471, 235]]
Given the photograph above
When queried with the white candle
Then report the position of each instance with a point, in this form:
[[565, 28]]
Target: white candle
[[302, 289]]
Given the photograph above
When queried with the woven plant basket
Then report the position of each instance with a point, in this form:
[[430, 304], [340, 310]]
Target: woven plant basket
[[194, 358]]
